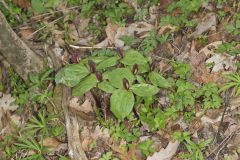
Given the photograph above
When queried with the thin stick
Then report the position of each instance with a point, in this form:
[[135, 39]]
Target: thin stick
[[49, 13], [4, 4], [29, 36], [89, 47], [226, 104]]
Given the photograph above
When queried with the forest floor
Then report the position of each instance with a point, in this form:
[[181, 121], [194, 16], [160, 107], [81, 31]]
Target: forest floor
[[154, 80]]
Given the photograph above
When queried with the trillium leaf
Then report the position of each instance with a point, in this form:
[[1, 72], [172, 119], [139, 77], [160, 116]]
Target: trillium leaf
[[133, 57], [106, 87], [158, 80], [38, 7], [71, 74], [144, 90], [122, 102], [112, 61], [85, 85], [116, 77]]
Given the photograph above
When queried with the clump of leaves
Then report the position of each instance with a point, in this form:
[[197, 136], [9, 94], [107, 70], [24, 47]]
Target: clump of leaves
[[233, 82], [119, 81], [30, 144], [41, 6], [120, 132], [146, 147], [229, 48], [108, 156], [102, 9], [39, 124], [235, 27], [14, 14], [195, 150], [154, 117], [211, 99], [182, 19], [132, 78]]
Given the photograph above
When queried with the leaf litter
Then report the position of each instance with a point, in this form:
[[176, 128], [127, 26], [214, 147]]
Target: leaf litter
[[207, 66]]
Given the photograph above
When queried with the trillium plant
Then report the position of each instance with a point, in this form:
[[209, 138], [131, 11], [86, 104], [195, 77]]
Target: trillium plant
[[127, 76]]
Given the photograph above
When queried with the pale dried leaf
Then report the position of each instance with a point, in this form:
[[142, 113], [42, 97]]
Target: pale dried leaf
[[7, 102], [51, 142], [101, 133], [167, 28], [132, 3], [208, 22], [221, 62], [167, 153], [86, 107], [23, 3], [115, 32], [210, 48]]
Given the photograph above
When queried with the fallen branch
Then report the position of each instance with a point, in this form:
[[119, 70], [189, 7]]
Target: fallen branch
[[16, 52]]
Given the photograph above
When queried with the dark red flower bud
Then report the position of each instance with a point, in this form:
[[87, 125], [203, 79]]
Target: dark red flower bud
[[99, 76], [135, 69], [153, 65], [92, 66], [120, 52], [125, 84]]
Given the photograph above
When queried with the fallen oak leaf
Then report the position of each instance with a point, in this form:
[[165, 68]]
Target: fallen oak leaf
[[208, 22]]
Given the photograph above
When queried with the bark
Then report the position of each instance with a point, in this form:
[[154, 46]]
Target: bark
[[16, 52]]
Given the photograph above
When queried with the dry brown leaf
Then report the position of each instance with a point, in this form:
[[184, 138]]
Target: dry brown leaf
[[7, 103], [115, 32], [132, 3], [210, 48], [202, 75], [22, 3], [111, 31], [86, 142], [167, 153], [86, 107], [209, 21], [26, 32], [222, 62], [51, 143], [167, 28]]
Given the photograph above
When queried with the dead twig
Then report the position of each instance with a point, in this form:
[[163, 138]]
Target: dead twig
[[29, 36], [88, 47]]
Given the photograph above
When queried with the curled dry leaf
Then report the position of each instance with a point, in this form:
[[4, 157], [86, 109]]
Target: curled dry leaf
[[115, 32], [23, 3], [132, 3], [167, 153], [210, 48], [209, 21], [51, 143], [86, 107], [222, 62], [167, 28], [98, 134], [7, 103]]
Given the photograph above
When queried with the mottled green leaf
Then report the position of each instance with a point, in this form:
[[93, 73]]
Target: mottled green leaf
[[116, 77], [112, 61], [71, 74], [38, 7], [122, 102], [158, 80], [133, 57], [144, 90], [106, 87], [85, 85]]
